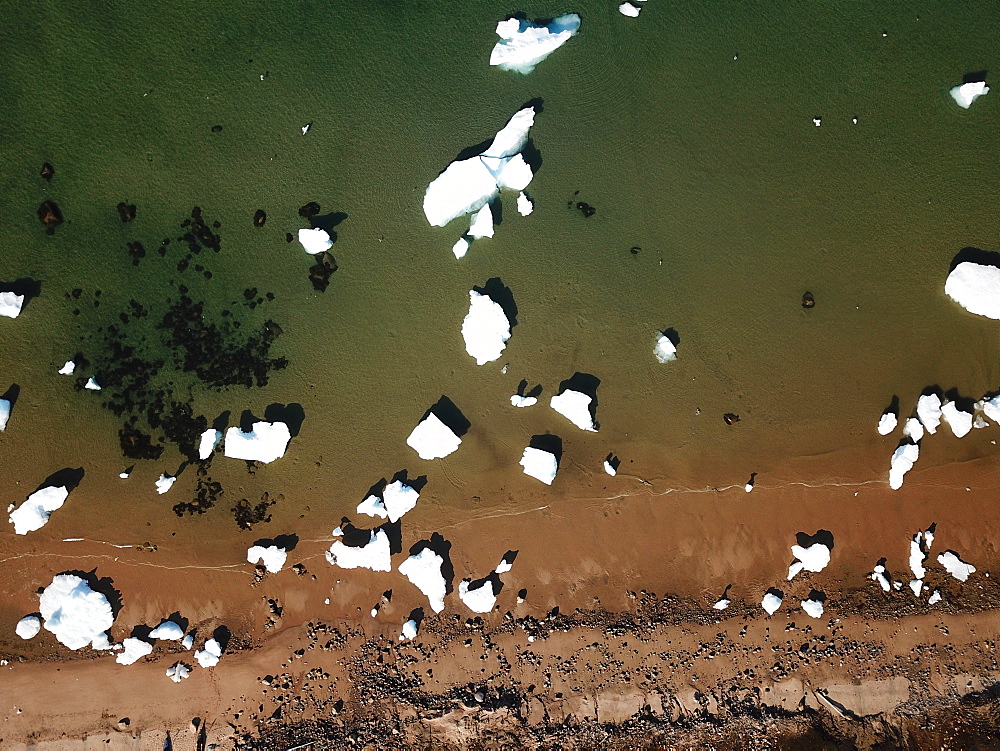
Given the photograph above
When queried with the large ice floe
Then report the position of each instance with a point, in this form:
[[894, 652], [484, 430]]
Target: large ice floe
[[395, 500], [976, 287], [468, 186], [485, 329], [265, 442], [35, 511], [903, 459], [133, 651], [75, 613], [432, 439], [423, 569], [375, 554], [575, 407], [524, 44], [540, 464], [28, 627], [272, 557], [11, 304], [813, 558], [969, 92]]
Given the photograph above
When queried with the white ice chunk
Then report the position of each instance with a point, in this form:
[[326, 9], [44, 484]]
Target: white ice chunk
[[887, 423], [424, 572], [916, 585], [460, 248], [92, 385], [627, 9], [209, 440], [814, 558], [374, 555], [168, 631], [722, 604], [917, 557], [967, 93], [396, 500], [902, 462], [178, 672], [5, 406], [271, 556], [75, 613], [523, 44], [879, 576], [68, 368], [188, 641], [10, 304], [935, 597], [478, 600], [958, 420], [134, 650], [209, 656], [124, 474], [265, 442], [34, 512], [485, 329], [516, 174], [165, 483], [28, 627], [315, 240], [610, 468], [913, 429], [432, 439], [540, 464], [523, 401], [956, 566], [524, 205], [664, 350], [503, 567], [575, 407], [813, 608], [482, 223], [991, 408], [794, 569], [976, 287], [770, 603], [409, 630], [929, 412]]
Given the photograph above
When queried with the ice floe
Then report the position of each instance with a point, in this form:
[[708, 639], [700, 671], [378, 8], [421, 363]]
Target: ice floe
[[524, 44], [92, 384], [902, 461], [957, 419], [374, 554], [432, 439], [28, 627], [540, 464], [771, 602], [523, 401], [75, 613], [133, 651], [165, 483], [481, 599], [11, 304], [887, 423], [627, 9], [265, 442], [482, 223], [913, 429], [67, 368], [813, 608], [468, 185], [424, 571], [524, 204], [485, 329], [665, 349], [814, 558], [168, 631], [396, 500], [955, 565], [209, 440], [461, 247], [929, 412], [188, 641], [272, 557], [35, 511], [575, 407], [967, 93], [976, 287], [315, 241], [209, 656], [178, 672], [409, 630]]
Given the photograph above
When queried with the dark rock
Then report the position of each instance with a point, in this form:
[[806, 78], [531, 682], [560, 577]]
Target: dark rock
[[586, 209], [289, 237], [808, 301], [259, 218], [311, 209], [126, 211], [50, 215], [321, 271], [730, 418], [136, 252], [216, 128], [634, 250], [47, 172]]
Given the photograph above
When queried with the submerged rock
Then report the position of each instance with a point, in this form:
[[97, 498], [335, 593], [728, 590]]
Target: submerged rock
[[259, 218], [126, 211], [321, 271], [48, 171], [50, 215]]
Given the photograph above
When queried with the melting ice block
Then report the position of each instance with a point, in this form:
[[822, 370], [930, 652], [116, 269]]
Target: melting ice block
[[209, 656], [424, 572], [967, 93], [478, 600], [75, 613], [957, 419], [665, 350], [432, 439], [272, 557], [721, 604], [524, 205], [28, 627], [523, 401], [887, 423], [5, 406], [485, 329], [929, 412], [976, 287], [315, 241], [374, 554], [540, 464], [168, 631], [396, 500], [903, 459], [955, 565], [35, 511], [209, 440], [265, 442], [467, 185], [575, 407], [627, 9], [92, 384], [134, 650], [178, 672], [10, 304], [482, 223], [814, 558], [409, 630], [165, 483], [68, 368], [524, 44], [770, 603], [813, 608]]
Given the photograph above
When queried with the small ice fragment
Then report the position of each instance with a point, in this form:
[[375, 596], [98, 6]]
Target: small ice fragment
[[887, 423], [92, 385], [817, 121], [168, 631], [397, 499], [316, 240], [504, 566], [409, 630], [929, 411], [935, 597], [540, 464], [610, 468], [913, 429], [879, 576], [750, 483], [209, 656], [771, 602], [902, 462], [957, 419], [306, 127], [179, 671], [164, 483], [813, 608], [432, 439], [485, 329], [209, 440], [794, 569], [917, 557], [5, 406], [575, 407], [124, 474], [10, 304], [134, 650], [28, 627], [627, 9], [374, 611], [955, 565], [523, 401], [461, 247], [68, 368], [967, 93], [482, 223], [916, 585], [188, 641], [424, 572], [665, 350], [722, 604], [271, 556], [524, 204]]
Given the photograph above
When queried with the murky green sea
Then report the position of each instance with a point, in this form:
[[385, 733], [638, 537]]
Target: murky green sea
[[689, 129]]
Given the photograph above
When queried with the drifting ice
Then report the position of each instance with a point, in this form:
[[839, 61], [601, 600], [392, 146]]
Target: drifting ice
[[523, 44]]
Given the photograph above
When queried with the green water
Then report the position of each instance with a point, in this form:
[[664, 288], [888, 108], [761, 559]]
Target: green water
[[689, 129]]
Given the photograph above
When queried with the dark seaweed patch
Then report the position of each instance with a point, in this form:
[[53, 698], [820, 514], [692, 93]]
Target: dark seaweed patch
[[206, 493], [247, 513]]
